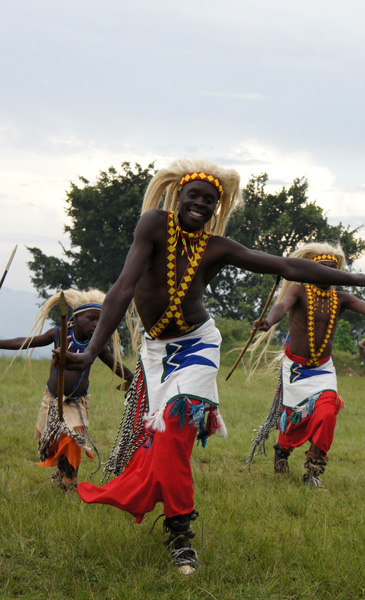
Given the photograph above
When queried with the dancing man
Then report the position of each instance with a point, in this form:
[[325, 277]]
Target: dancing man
[[306, 402], [176, 252]]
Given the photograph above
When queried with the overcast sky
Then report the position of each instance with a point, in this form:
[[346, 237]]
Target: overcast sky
[[261, 85]]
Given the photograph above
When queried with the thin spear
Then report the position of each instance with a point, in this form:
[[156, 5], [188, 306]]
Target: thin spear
[[243, 351], [62, 356], [8, 266]]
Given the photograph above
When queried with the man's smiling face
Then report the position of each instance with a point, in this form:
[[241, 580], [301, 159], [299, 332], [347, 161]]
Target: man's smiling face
[[196, 205]]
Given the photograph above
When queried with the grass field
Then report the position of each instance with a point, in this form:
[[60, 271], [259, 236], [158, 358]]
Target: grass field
[[259, 536]]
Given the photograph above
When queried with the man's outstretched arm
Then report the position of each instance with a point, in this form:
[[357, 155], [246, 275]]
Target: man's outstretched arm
[[292, 269], [279, 310]]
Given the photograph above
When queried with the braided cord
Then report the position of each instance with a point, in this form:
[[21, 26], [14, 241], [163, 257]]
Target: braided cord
[[130, 433], [88, 436], [272, 421]]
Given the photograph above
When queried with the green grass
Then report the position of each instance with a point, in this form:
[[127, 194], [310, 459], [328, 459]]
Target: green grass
[[259, 536]]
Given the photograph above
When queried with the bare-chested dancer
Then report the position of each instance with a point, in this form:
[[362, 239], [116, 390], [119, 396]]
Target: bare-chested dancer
[[171, 262], [307, 391]]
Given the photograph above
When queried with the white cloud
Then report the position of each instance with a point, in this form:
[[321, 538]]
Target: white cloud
[[285, 166], [86, 88]]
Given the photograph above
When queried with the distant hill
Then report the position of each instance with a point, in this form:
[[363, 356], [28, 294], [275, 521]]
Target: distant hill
[[18, 310]]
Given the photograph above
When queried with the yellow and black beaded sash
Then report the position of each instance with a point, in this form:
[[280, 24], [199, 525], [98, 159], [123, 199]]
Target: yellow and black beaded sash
[[198, 243], [331, 294]]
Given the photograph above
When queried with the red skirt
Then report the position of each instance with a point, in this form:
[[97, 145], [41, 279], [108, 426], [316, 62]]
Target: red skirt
[[317, 428], [158, 473]]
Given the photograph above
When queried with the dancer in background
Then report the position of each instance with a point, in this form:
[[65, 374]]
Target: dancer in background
[[306, 402], [60, 443]]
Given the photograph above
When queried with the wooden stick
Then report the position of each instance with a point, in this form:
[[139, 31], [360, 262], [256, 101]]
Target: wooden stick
[[259, 321], [8, 266], [62, 359]]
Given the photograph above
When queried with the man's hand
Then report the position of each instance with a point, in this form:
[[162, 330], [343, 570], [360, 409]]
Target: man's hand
[[127, 380], [124, 387], [74, 362], [264, 326]]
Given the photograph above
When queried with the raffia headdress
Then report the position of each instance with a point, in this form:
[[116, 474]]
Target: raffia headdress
[[163, 188]]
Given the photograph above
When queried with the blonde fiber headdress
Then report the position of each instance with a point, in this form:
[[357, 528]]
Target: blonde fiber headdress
[[162, 191], [321, 251]]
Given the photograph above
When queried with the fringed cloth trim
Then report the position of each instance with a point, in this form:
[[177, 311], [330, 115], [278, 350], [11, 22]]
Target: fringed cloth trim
[[272, 422], [290, 418], [196, 414], [54, 429], [295, 416], [132, 432]]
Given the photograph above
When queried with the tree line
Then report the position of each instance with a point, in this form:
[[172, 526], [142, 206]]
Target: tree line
[[103, 216]]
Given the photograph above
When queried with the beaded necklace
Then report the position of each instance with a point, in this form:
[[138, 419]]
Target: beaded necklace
[[73, 344], [198, 243], [196, 240], [314, 295]]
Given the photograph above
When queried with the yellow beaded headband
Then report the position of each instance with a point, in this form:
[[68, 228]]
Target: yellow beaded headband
[[204, 177], [322, 257]]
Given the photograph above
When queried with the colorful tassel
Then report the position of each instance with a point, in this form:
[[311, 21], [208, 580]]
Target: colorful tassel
[[155, 422], [196, 414], [202, 437], [308, 409], [179, 408], [212, 422], [222, 429], [312, 403], [283, 421], [296, 418]]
